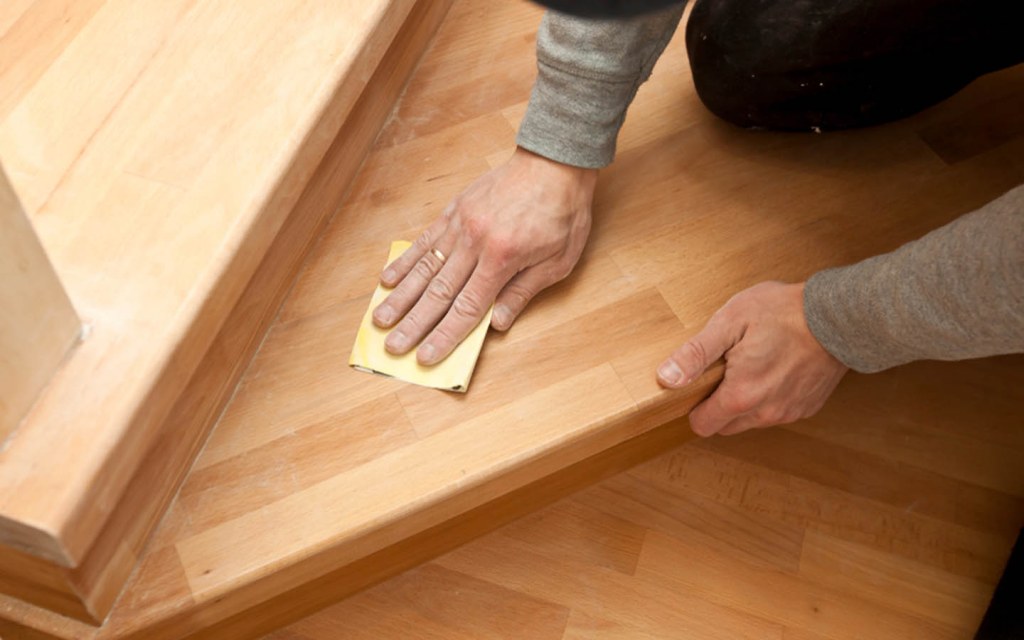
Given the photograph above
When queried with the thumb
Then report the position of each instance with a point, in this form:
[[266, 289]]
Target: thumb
[[689, 361]]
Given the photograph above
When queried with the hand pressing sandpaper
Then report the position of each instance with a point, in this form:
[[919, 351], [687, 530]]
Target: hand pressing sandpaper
[[451, 374]]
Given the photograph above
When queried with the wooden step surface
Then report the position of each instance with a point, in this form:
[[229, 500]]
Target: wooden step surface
[[318, 480], [889, 516], [176, 160]]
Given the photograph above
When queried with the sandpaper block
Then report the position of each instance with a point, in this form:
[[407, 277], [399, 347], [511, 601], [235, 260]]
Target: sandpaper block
[[451, 374]]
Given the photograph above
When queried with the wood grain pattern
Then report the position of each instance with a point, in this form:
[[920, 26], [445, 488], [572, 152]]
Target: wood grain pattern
[[690, 544], [88, 590], [139, 140], [38, 325], [318, 480]]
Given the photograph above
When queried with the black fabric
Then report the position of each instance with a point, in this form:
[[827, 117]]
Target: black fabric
[[834, 64], [606, 8], [1004, 619]]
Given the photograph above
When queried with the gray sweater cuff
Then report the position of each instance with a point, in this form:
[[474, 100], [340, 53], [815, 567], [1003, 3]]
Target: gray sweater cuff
[[954, 294], [588, 72], [574, 120]]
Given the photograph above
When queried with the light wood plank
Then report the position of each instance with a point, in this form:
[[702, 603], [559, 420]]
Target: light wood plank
[[433, 602], [652, 606], [894, 582], [33, 34], [688, 569]]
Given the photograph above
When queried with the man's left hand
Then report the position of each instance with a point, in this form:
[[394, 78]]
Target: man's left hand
[[776, 371]]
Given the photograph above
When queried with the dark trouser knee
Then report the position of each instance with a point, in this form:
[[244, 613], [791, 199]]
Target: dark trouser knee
[[833, 64]]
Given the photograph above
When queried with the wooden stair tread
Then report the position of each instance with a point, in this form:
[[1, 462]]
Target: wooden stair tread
[[314, 467], [892, 512], [159, 148]]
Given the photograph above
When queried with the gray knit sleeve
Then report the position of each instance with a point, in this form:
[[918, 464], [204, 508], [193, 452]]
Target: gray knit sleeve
[[956, 293], [588, 71]]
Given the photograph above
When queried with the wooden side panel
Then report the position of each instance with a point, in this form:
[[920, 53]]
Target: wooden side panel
[[37, 324]]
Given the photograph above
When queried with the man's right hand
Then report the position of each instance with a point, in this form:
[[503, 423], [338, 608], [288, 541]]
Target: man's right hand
[[515, 231]]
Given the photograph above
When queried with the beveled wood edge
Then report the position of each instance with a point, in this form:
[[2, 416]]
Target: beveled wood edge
[[431, 543], [632, 431], [652, 428]]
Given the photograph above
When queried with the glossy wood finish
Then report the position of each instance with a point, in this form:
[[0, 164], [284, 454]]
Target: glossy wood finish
[[338, 72], [38, 325], [888, 515], [315, 469]]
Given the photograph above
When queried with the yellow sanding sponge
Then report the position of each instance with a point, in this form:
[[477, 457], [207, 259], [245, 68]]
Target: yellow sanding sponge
[[451, 374]]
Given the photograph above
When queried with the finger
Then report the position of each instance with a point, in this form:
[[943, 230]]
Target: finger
[[689, 361], [719, 409], [399, 268], [415, 282], [465, 314], [433, 301], [519, 292]]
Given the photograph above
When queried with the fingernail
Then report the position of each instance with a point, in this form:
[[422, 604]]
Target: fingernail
[[427, 353], [669, 372], [388, 275], [384, 315], [397, 342], [502, 317]]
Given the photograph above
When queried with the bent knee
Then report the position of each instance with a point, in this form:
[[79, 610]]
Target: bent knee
[[753, 65], [808, 64]]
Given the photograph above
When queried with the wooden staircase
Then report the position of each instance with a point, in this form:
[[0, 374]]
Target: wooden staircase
[[207, 146], [226, 143]]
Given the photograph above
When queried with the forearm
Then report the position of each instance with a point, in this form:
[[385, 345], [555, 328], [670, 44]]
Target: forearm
[[954, 294], [588, 73]]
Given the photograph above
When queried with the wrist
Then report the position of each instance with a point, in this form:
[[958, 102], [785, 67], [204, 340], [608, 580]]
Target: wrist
[[580, 175], [806, 324]]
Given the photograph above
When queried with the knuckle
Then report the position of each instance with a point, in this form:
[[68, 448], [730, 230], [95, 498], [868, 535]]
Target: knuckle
[[423, 242], [468, 305], [694, 350], [502, 251], [410, 324], [563, 271], [476, 229], [723, 317], [558, 270], [424, 269], [440, 289]]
